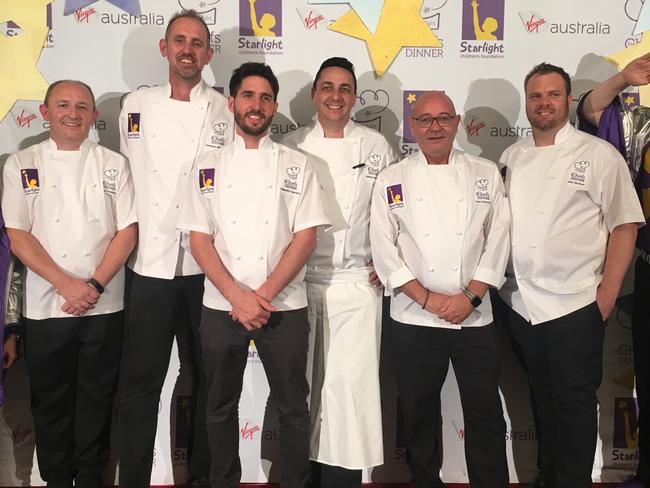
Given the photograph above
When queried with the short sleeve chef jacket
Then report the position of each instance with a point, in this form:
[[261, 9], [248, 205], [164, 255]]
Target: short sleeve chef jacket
[[565, 200], [253, 215], [468, 241], [347, 169], [162, 138], [74, 223]]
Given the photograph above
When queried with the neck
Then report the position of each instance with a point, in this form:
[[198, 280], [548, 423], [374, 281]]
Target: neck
[[544, 138], [181, 89], [251, 142], [67, 146], [436, 160], [333, 130]]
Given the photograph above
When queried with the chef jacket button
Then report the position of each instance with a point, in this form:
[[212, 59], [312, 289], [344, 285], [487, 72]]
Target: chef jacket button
[[192, 141], [419, 199], [184, 173], [534, 246], [454, 268], [460, 199], [94, 185], [178, 205], [266, 222], [269, 186], [261, 258], [233, 222], [426, 234], [53, 186], [154, 170], [540, 211], [155, 238], [519, 277], [175, 239], [347, 207], [431, 270], [534, 280], [228, 185], [238, 258], [153, 135], [339, 240], [459, 233], [57, 220], [63, 254], [514, 245], [86, 254], [155, 204]]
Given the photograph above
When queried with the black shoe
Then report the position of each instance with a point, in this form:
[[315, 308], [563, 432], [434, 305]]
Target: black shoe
[[201, 482], [537, 483]]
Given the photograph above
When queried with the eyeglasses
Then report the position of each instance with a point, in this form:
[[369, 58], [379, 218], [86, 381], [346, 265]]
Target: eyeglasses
[[426, 121]]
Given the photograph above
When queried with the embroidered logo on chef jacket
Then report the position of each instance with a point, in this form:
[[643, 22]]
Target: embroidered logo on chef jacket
[[290, 182], [395, 196], [218, 137], [134, 125], [110, 181], [206, 180], [30, 181], [482, 194], [373, 165], [579, 173]]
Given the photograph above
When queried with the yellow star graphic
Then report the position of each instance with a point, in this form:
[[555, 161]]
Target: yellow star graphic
[[400, 25], [30, 15], [19, 78], [411, 98], [625, 56], [626, 378], [629, 100]]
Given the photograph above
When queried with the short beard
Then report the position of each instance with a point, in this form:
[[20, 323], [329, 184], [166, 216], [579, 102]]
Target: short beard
[[252, 131]]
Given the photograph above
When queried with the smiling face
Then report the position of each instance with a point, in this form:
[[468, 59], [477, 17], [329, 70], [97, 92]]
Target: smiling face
[[70, 112], [547, 102], [187, 49], [435, 141], [334, 96], [253, 106]]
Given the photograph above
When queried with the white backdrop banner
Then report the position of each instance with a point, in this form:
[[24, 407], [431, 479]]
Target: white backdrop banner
[[433, 45]]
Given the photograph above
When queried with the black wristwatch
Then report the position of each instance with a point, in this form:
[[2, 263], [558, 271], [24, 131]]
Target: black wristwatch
[[475, 300], [96, 285]]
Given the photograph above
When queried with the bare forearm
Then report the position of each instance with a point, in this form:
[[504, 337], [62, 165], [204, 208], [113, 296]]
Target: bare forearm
[[208, 259], [32, 254], [601, 96], [293, 259], [478, 288], [620, 249], [116, 254]]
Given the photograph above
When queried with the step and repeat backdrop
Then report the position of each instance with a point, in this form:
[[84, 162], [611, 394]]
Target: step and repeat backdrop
[[476, 51]]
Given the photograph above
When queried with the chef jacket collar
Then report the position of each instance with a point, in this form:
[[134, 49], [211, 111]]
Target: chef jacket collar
[[51, 146], [265, 142], [562, 136], [197, 93], [318, 130], [421, 158]]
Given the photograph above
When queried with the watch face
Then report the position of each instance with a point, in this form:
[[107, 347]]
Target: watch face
[[476, 301]]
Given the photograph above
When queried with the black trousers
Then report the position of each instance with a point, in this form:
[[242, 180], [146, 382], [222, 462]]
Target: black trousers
[[641, 344], [327, 476], [422, 357], [564, 360], [282, 346], [157, 310], [73, 366]]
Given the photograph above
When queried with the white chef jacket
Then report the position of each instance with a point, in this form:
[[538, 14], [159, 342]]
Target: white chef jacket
[[162, 138], [73, 202], [565, 199], [347, 169], [444, 243], [253, 201]]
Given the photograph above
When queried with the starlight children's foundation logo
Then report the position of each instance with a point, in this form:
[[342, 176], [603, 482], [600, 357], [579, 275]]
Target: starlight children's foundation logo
[[260, 27], [409, 97], [482, 29], [625, 442]]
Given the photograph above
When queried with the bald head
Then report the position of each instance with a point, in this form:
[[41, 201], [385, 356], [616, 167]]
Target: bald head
[[434, 124], [433, 98]]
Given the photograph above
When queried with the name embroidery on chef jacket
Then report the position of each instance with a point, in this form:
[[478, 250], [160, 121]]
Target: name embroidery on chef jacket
[[373, 165], [218, 136], [30, 181], [578, 174], [290, 182], [395, 196], [133, 121], [482, 194], [110, 181], [206, 180]]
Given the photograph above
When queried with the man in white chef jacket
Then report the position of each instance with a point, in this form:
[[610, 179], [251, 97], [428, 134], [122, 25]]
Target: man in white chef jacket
[[162, 131], [574, 223], [255, 206], [343, 291], [69, 209], [439, 235]]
